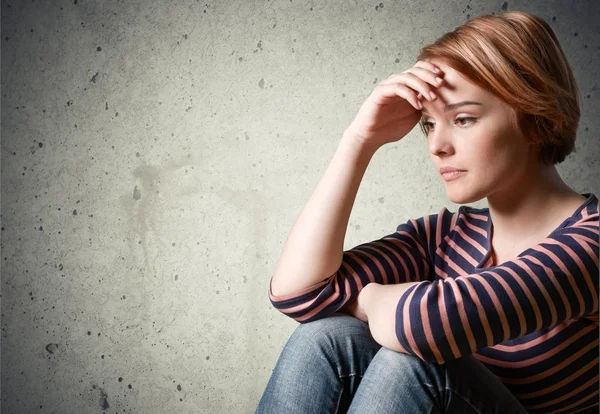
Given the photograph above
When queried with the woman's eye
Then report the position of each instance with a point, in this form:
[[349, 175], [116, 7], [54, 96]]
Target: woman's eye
[[428, 125], [465, 118]]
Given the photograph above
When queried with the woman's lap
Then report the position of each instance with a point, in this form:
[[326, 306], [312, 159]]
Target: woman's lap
[[333, 365]]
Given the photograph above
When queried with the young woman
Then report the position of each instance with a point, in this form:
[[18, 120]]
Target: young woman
[[491, 310]]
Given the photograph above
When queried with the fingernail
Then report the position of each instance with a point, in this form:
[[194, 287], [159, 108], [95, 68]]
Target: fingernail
[[438, 79], [436, 70]]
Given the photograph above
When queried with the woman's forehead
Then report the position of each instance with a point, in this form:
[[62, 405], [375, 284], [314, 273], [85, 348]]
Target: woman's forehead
[[456, 86], [452, 76]]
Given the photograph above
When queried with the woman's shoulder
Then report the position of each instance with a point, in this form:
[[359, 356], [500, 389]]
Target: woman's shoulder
[[589, 207], [586, 213]]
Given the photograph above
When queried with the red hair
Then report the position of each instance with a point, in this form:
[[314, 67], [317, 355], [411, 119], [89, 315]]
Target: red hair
[[517, 57]]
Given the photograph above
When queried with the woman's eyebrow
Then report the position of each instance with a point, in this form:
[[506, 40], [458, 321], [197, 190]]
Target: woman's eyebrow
[[450, 107]]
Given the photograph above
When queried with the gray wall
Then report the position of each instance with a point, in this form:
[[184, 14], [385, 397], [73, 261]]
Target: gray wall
[[154, 158]]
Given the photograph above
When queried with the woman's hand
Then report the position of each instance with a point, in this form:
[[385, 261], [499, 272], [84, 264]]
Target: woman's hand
[[357, 307], [394, 108]]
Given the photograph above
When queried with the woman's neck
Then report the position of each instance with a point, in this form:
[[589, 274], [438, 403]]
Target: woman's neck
[[530, 209]]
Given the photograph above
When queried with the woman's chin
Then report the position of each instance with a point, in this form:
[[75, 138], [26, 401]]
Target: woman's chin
[[460, 196]]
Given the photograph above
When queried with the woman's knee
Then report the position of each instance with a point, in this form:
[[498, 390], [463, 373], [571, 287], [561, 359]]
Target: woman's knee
[[395, 366], [329, 330], [396, 361]]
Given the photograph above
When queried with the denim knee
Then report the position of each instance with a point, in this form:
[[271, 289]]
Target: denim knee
[[319, 366], [390, 366], [329, 331], [336, 324]]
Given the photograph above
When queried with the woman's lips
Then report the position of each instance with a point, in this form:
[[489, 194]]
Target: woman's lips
[[453, 175]]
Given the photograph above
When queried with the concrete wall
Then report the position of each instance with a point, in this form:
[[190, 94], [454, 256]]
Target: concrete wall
[[154, 158]]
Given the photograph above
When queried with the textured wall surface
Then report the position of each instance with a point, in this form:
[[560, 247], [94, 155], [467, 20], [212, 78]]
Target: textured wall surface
[[154, 158]]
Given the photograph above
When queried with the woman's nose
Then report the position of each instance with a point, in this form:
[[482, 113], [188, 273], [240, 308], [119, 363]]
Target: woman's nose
[[440, 142]]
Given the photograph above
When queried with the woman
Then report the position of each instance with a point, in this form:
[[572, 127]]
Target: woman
[[490, 310]]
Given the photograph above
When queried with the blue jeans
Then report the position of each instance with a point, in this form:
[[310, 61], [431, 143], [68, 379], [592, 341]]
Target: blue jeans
[[333, 365]]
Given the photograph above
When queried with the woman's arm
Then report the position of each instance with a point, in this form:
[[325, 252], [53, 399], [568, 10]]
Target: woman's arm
[[379, 304], [401, 257], [319, 231], [550, 283]]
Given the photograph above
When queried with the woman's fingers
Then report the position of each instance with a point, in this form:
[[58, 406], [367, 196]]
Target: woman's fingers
[[420, 79], [428, 65], [408, 94], [392, 90]]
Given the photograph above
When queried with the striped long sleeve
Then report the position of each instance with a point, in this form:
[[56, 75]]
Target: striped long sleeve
[[547, 284], [400, 257], [532, 321]]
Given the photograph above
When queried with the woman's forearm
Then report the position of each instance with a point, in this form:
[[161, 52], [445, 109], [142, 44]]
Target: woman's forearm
[[314, 248], [380, 307]]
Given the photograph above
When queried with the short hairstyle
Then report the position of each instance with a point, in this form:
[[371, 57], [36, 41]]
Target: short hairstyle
[[517, 57]]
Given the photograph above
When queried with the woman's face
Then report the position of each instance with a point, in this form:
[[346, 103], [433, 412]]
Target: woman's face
[[495, 158]]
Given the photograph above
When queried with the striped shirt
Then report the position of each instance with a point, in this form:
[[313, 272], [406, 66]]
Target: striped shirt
[[532, 321]]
